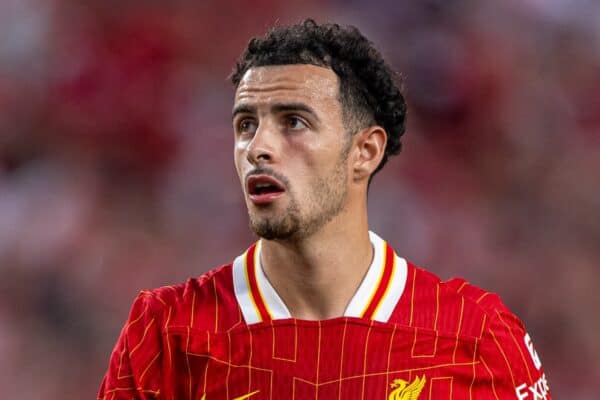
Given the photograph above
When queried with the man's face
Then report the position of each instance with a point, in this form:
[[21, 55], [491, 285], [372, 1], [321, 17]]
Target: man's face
[[290, 149]]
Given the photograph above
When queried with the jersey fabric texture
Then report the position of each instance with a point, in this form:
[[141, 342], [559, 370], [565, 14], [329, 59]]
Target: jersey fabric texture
[[404, 335]]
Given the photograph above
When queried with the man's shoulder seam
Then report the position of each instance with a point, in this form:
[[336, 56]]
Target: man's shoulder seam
[[169, 295], [486, 301]]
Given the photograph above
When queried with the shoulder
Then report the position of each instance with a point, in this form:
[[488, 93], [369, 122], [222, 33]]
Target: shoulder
[[459, 308], [184, 293], [452, 306], [194, 303]]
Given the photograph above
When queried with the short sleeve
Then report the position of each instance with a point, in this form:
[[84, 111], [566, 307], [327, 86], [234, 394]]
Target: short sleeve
[[510, 366], [134, 366]]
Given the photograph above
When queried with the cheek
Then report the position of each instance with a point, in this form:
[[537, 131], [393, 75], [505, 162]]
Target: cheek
[[317, 157], [240, 144], [238, 157], [301, 161], [307, 150]]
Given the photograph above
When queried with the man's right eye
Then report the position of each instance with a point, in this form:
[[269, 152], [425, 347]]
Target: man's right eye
[[246, 126]]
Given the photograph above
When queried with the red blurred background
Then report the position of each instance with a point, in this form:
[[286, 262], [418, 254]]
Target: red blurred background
[[116, 168]]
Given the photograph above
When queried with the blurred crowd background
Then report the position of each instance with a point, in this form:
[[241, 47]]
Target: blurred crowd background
[[116, 169]]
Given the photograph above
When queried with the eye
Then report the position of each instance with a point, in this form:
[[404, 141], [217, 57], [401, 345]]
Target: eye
[[295, 123], [246, 126]]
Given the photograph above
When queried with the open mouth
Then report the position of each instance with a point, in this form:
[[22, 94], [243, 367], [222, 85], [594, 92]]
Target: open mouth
[[263, 189]]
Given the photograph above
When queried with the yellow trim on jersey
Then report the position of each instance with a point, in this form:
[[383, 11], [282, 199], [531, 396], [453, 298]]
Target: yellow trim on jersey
[[257, 251], [250, 287], [375, 287], [387, 289]]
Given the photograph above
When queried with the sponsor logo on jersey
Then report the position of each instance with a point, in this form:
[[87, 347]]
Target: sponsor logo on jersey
[[243, 397], [406, 391], [534, 356], [538, 391]]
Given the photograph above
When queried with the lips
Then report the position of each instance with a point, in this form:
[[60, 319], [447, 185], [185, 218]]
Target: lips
[[264, 189]]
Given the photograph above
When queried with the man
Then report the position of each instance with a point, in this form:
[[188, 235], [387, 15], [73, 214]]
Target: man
[[319, 307]]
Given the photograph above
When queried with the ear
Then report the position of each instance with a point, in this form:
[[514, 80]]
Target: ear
[[369, 148]]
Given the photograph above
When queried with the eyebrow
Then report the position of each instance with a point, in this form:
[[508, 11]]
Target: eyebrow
[[242, 109], [276, 108]]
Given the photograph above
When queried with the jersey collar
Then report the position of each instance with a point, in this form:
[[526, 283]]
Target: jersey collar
[[375, 298]]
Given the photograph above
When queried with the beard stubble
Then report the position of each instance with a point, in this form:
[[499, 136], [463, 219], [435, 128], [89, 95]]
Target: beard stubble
[[325, 200]]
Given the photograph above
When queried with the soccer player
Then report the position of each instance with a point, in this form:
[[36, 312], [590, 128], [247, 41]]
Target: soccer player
[[319, 307]]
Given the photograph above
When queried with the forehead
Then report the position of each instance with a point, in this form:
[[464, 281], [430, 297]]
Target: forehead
[[298, 82]]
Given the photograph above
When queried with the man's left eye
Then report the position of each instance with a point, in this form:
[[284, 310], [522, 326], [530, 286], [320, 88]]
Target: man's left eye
[[295, 123]]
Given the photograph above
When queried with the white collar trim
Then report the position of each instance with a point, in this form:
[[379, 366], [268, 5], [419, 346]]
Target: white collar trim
[[376, 297]]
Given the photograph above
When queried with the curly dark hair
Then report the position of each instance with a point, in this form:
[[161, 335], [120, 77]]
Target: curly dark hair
[[369, 89]]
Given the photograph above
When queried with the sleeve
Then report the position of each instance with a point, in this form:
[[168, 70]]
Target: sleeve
[[134, 366], [510, 367]]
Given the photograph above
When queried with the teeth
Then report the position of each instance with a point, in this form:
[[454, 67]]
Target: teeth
[[263, 185]]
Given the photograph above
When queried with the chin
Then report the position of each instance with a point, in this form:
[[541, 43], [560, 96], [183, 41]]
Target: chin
[[282, 228]]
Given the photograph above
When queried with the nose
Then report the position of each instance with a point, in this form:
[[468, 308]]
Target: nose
[[261, 148]]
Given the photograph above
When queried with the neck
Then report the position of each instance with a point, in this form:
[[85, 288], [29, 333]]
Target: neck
[[317, 276]]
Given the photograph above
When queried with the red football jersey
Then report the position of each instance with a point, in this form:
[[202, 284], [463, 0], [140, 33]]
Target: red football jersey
[[404, 335]]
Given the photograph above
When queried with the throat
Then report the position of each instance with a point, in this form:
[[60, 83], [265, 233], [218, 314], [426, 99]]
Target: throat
[[320, 283]]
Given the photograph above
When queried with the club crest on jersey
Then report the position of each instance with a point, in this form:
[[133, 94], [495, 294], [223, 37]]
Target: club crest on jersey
[[406, 391]]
